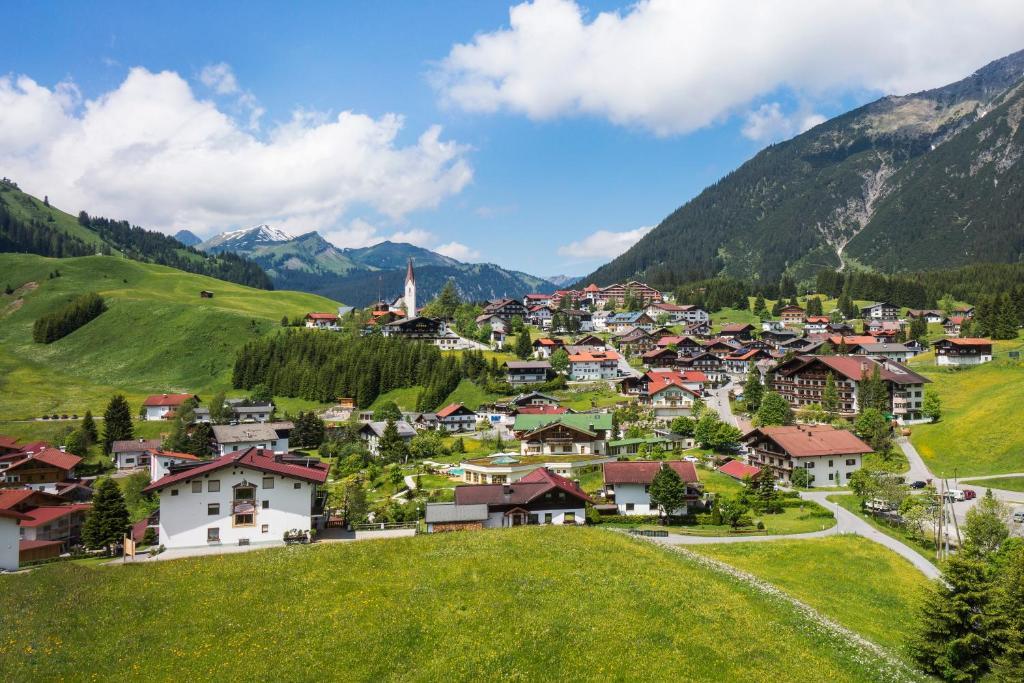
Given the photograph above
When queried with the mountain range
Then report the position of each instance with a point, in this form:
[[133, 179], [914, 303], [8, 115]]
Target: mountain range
[[922, 181], [360, 276]]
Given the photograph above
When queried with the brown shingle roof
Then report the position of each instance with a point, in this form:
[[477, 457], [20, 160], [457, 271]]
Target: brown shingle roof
[[643, 471], [809, 441], [252, 458]]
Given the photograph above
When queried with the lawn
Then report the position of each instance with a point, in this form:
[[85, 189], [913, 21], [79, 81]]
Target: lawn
[[470, 394], [792, 520], [982, 408], [1003, 484], [716, 482], [923, 546], [415, 609], [157, 336], [872, 590], [405, 398], [589, 398]]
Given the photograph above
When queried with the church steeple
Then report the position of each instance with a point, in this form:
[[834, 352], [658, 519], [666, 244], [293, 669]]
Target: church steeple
[[410, 291]]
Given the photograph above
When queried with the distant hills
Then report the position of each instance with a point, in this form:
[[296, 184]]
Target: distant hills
[[360, 276], [187, 237], [928, 180]]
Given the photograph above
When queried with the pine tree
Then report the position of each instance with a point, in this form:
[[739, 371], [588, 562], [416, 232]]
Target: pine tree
[[89, 427], [1009, 664], [753, 391], [523, 347], [107, 522], [830, 396], [117, 422], [391, 447], [954, 640], [200, 439]]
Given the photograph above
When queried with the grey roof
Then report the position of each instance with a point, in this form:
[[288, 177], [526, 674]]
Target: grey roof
[[403, 427], [263, 408], [135, 445], [885, 348], [266, 431], [528, 365], [450, 512]]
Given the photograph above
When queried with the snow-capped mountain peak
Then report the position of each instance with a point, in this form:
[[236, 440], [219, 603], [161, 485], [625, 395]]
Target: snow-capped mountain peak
[[246, 239]]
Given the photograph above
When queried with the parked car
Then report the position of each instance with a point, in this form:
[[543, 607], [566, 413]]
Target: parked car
[[1018, 516], [955, 495], [690, 458], [918, 484], [970, 494]]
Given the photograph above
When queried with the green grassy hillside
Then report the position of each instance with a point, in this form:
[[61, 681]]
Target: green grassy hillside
[[158, 334], [982, 409], [872, 591], [521, 604]]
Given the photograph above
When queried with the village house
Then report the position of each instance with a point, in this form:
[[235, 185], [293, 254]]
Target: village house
[[621, 322], [531, 300], [930, 315], [660, 358], [506, 308], [589, 342], [533, 398], [625, 448], [737, 331], [540, 316], [269, 436], [243, 497], [828, 454], [127, 454], [37, 469], [519, 372], [961, 352], [164, 406], [882, 310], [739, 470], [668, 396], [241, 410], [322, 321], [954, 325], [616, 294], [507, 468], [739, 364], [892, 351], [593, 365], [371, 433], [722, 347], [816, 324], [633, 341], [456, 418], [802, 379], [629, 483], [707, 363], [9, 541], [421, 421], [566, 434], [792, 315], [545, 347], [541, 497]]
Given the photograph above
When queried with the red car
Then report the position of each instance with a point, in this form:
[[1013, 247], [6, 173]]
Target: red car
[[970, 494]]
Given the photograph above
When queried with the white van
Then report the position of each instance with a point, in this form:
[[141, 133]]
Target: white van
[[1018, 516]]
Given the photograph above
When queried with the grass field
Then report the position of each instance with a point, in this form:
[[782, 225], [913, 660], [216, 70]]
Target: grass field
[[872, 590], [1003, 484], [588, 398], [852, 503], [792, 520], [982, 408], [405, 398], [470, 394], [520, 604], [158, 334]]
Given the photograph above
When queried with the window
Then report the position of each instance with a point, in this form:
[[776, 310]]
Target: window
[[266, 505], [245, 493], [268, 482], [830, 463], [213, 509], [570, 518], [809, 465], [830, 476], [213, 486], [213, 534], [547, 518], [298, 485], [174, 492], [197, 487], [850, 462], [629, 506], [265, 528], [244, 519]]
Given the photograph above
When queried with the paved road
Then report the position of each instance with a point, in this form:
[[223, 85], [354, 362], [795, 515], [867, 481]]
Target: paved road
[[846, 523], [625, 369], [719, 400]]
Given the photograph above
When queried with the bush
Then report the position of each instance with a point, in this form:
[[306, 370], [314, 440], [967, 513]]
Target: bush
[[630, 520], [149, 538]]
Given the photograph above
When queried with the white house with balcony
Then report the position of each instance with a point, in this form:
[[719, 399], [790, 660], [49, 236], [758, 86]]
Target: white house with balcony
[[242, 498]]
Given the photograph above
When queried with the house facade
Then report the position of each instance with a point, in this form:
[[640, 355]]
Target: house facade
[[628, 483], [127, 454], [519, 372], [563, 434], [245, 497], [322, 321], [9, 540], [882, 310], [371, 433], [38, 469], [456, 418], [828, 454], [164, 406], [593, 365], [269, 436], [961, 352]]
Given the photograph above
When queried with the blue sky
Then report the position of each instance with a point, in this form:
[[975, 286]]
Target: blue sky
[[555, 125]]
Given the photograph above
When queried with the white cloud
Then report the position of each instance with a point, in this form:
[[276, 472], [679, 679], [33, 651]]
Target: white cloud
[[673, 66], [150, 151], [458, 251], [603, 244], [220, 78], [768, 123]]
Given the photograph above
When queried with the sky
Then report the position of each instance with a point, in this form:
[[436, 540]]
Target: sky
[[546, 136]]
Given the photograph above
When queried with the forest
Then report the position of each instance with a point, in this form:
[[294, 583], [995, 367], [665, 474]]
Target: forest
[[60, 323]]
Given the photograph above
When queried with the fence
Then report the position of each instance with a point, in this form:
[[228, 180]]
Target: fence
[[653, 533], [380, 526]]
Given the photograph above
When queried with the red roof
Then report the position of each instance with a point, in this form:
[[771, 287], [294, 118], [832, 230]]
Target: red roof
[[659, 381], [8, 441], [451, 409], [253, 458], [968, 341], [643, 471], [739, 470], [542, 410], [817, 319], [545, 341], [530, 487], [593, 356], [50, 456], [11, 514], [167, 400], [321, 316], [736, 327], [851, 340], [49, 513], [174, 454], [591, 288], [11, 497], [809, 441]]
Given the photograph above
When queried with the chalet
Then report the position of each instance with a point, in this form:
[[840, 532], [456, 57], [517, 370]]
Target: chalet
[[268, 436], [519, 372], [9, 444], [698, 329], [722, 347], [954, 325], [60, 524], [633, 341], [668, 396], [801, 380], [456, 418], [599, 319], [418, 328], [243, 497], [964, 311], [371, 433], [541, 497], [421, 421], [540, 316], [507, 468], [493, 321], [506, 308], [707, 363], [621, 322], [829, 455], [739, 470], [660, 333], [897, 352], [685, 346], [593, 365], [385, 317], [816, 324], [678, 314], [930, 315], [531, 300], [882, 310], [545, 347], [737, 331], [775, 339], [534, 398], [569, 434], [629, 484], [241, 410], [965, 351], [164, 406], [322, 321], [660, 358], [127, 454], [739, 364], [37, 469], [590, 342], [792, 315], [616, 294], [624, 448]]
